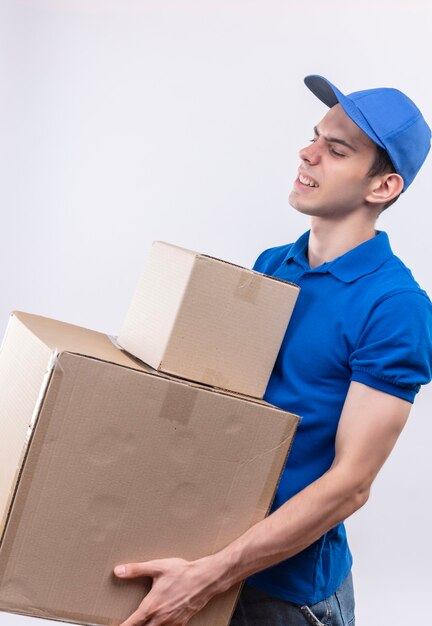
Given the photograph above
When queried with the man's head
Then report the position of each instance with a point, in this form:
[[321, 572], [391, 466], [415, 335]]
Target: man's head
[[367, 149]]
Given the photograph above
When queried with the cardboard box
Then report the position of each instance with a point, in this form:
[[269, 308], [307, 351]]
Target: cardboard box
[[105, 461], [208, 320]]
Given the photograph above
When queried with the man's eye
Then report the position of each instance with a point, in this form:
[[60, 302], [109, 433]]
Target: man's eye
[[335, 152], [313, 140]]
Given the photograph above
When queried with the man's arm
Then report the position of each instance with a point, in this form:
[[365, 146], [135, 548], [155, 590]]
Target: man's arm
[[370, 424]]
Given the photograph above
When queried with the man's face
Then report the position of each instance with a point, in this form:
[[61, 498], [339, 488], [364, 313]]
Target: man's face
[[336, 164]]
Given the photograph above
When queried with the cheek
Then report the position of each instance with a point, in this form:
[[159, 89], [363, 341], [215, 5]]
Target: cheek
[[347, 181], [342, 189]]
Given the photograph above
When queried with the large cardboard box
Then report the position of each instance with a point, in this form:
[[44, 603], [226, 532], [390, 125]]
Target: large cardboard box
[[208, 320], [105, 461]]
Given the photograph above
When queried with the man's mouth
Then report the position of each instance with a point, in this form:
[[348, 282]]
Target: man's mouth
[[308, 182]]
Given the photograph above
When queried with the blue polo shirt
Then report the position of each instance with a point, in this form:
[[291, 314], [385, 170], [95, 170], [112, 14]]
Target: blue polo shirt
[[361, 317]]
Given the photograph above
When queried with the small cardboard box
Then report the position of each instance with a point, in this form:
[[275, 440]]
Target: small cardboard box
[[208, 320], [105, 461]]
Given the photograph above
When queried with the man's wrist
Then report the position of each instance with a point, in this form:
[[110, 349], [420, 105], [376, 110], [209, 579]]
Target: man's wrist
[[217, 572]]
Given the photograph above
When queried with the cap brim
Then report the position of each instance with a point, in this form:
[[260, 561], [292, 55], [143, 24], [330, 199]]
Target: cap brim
[[330, 95], [323, 89]]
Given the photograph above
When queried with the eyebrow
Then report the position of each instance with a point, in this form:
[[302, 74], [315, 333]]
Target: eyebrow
[[335, 140]]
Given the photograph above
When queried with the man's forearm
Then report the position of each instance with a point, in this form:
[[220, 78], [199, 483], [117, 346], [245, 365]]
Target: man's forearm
[[294, 526], [370, 424]]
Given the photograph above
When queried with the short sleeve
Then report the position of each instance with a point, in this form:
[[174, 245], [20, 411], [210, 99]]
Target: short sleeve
[[394, 351]]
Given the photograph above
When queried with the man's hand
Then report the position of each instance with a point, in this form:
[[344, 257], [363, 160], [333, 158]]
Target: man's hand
[[180, 589]]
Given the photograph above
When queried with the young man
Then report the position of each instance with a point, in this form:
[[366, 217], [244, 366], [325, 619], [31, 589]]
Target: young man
[[356, 351]]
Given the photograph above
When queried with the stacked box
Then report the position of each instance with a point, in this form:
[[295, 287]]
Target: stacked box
[[105, 460], [207, 320]]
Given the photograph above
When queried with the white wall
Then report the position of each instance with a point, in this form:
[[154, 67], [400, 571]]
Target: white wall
[[125, 121]]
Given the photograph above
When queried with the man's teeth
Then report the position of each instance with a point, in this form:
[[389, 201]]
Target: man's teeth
[[307, 181]]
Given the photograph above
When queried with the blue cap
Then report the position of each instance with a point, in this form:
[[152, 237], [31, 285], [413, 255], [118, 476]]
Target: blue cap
[[388, 117]]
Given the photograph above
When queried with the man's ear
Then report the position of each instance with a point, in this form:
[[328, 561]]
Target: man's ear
[[384, 188]]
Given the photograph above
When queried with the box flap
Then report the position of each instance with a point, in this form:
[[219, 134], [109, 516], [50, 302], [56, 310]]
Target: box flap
[[65, 337]]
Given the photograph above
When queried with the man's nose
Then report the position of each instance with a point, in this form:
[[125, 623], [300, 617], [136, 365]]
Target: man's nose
[[311, 153]]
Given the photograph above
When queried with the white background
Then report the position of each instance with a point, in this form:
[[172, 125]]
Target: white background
[[125, 121]]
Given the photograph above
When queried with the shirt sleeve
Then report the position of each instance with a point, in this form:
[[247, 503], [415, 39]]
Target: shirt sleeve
[[394, 351]]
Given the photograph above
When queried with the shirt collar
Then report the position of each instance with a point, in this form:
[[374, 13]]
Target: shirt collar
[[298, 251], [361, 260]]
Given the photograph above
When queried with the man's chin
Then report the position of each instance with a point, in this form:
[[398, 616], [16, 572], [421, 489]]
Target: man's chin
[[298, 205], [293, 199]]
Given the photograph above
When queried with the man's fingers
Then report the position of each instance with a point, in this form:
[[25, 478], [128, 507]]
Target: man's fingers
[[136, 619], [136, 570]]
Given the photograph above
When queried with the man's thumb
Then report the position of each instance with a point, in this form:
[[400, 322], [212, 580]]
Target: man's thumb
[[135, 570]]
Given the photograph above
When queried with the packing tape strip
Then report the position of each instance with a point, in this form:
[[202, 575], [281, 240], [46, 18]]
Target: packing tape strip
[[248, 286], [179, 402]]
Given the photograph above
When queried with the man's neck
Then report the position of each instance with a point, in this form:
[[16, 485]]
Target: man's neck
[[330, 239]]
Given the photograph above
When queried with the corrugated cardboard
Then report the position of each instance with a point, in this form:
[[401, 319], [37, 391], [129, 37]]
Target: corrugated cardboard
[[208, 320], [105, 461]]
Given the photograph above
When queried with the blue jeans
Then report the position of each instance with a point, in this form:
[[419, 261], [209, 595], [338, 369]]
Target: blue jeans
[[257, 608]]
